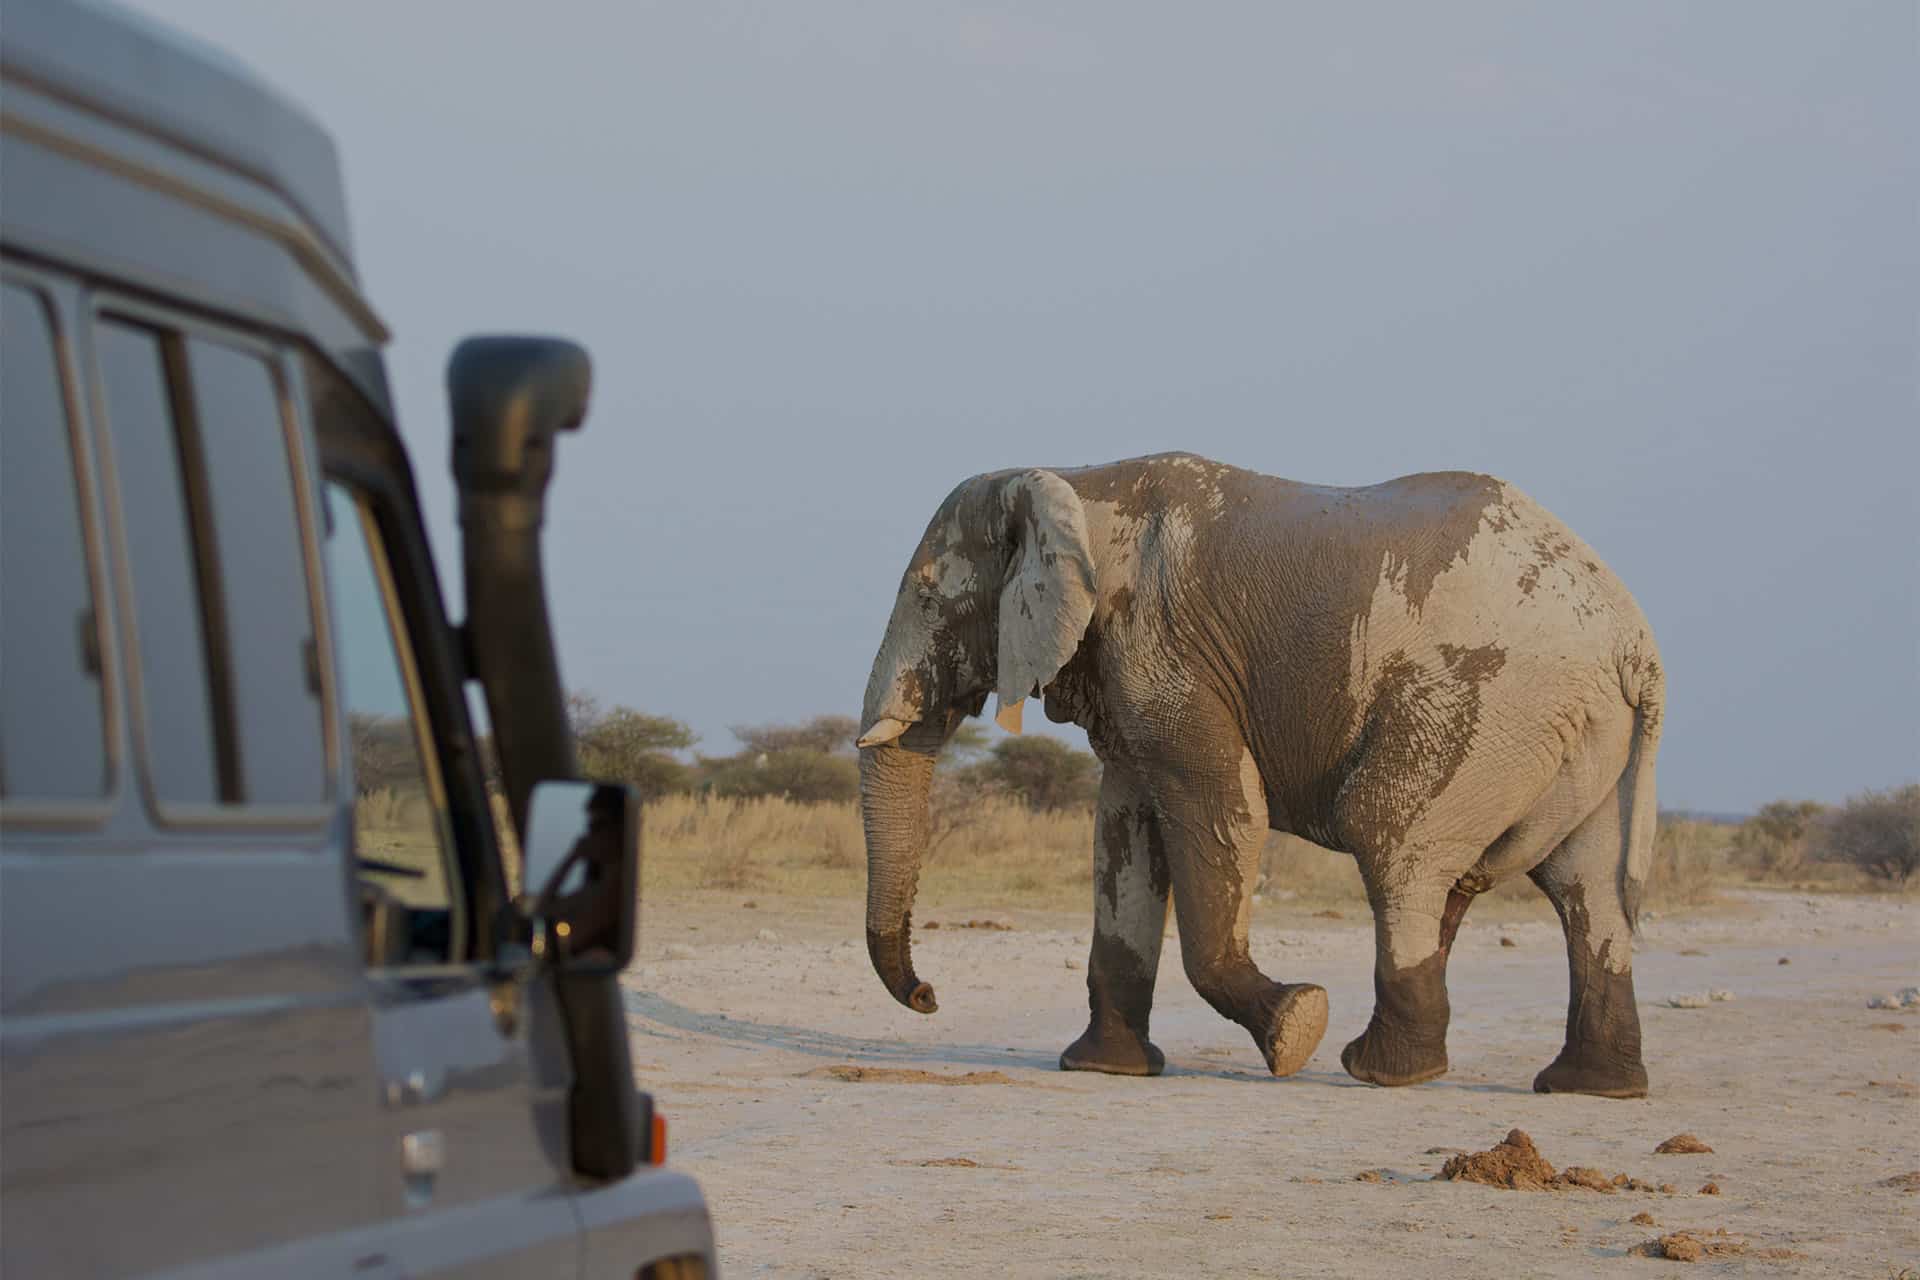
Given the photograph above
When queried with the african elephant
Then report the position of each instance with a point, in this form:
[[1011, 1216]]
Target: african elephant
[[1433, 675]]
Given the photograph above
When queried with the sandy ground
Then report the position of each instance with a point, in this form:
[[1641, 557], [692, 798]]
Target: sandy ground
[[1809, 1098]]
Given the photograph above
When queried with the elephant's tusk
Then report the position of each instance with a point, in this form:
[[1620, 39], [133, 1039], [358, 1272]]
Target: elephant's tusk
[[884, 730]]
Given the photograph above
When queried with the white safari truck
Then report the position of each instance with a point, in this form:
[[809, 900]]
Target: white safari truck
[[284, 991]]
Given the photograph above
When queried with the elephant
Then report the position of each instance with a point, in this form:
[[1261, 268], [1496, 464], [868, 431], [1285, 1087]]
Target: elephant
[[1432, 674]]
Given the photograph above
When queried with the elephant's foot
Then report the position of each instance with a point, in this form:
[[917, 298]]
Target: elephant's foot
[[1115, 1051], [1289, 1026], [1589, 1069], [1389, 1058], [1406, 1039]]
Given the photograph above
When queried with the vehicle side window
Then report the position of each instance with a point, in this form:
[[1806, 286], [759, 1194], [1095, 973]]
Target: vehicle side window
[[184, 757], [52, 736], [222, 600], [271, 659], [402, 833]]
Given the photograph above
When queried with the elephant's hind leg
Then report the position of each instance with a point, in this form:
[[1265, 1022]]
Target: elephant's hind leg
[[1130, 883], [1602, 1051], [1414, 921]]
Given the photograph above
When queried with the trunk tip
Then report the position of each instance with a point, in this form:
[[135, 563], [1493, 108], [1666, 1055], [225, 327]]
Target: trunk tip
[[920, 999]]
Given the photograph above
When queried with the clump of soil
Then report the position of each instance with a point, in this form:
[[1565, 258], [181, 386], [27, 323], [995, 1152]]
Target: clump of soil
[[1711, 1189], [1507, 942], [1902, 1181], [1784, 960], [901, 1075], [1685, 1246], [1642, 1219], [1683, 1144], [1516, 1164], [1368, 1175], [1695, 1246]]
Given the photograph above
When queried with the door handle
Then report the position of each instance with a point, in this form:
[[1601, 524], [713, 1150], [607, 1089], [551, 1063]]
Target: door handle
[[423, 1153]]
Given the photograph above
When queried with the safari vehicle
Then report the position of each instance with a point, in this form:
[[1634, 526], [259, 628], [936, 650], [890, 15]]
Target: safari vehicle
[[269, 1003]]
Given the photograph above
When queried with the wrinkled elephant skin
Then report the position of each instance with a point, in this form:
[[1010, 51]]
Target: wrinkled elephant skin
[[1432, 674]]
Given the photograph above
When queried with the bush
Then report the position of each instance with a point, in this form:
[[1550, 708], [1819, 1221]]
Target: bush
[[1773, 843], [624, 745], [1042, 773], [1877, 832], [798, 774]]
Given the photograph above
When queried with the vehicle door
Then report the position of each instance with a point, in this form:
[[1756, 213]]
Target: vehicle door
[[186, 1067], [473, 1071]]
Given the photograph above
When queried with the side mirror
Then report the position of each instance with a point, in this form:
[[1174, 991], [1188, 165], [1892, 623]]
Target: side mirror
[[581, 873]]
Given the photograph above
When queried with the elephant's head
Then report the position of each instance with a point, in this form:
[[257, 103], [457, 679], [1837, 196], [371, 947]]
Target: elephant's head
[[995, 600]]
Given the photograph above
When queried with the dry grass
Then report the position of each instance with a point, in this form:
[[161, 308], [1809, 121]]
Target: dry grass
[[1008, 856]]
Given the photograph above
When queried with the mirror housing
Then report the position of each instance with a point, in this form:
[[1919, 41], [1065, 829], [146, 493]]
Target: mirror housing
[[580, 874]]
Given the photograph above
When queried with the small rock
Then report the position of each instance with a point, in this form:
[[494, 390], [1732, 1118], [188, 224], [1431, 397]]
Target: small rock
[[1642, 1219], [1668, 1189], [1908, 998], [1683, 1144], [750, 905], [1368, 1175], [1699, 1001], [1507, 942], [680, 951], [767, 935], [1784, 960], [1719, 995], [930, 924], [1074, 964], [1711, 1189]]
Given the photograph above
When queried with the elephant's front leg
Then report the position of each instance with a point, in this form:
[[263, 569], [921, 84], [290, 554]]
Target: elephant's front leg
[[1215, 826], [1129, 918], [1416, 910]]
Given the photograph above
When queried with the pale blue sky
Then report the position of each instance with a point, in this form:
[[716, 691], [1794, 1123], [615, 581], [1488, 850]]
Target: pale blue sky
[[1657, 264]]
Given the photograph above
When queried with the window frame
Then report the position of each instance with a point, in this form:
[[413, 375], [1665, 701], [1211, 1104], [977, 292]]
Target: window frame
[[65, 310], [365, 502], [175, 328], [359, 448]]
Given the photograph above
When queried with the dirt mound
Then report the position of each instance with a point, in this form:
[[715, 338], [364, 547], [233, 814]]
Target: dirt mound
[[1516, 1164], [1683, 1144], [900, 1075], [1697, 1246]]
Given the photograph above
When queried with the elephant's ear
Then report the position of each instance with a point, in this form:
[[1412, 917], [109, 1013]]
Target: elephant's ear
[[1048, 597]]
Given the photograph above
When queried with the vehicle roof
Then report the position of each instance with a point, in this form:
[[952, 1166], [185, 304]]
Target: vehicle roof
[[189, 94]]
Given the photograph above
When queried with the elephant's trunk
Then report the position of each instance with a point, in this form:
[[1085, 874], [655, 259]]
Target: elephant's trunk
[[895, 783]]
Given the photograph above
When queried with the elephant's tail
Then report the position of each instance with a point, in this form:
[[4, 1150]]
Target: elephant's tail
[[1645, 686]]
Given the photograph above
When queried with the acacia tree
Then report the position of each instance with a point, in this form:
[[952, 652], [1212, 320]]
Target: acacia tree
[[620, 744]]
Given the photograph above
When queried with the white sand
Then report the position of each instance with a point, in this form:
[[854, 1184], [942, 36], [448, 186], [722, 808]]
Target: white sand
[[1218, 1169]]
